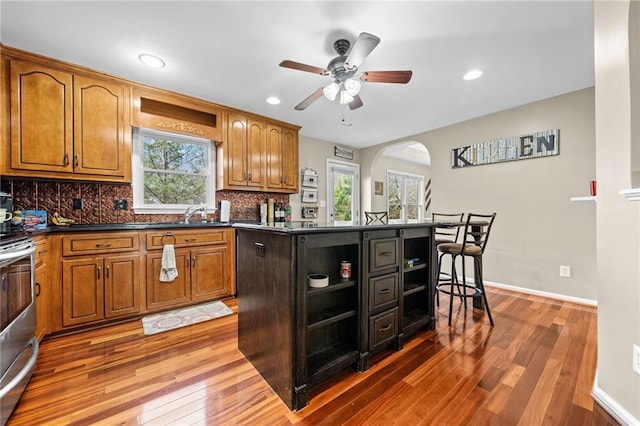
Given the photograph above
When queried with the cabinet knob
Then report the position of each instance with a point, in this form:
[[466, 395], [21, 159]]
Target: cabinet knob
[[75, 161], [65, 160]]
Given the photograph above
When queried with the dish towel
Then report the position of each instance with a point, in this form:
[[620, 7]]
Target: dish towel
[[168, 272]]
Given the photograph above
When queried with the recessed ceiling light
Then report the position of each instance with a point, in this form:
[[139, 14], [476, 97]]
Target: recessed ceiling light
[[151, 60], [273, 100], [472, 75]]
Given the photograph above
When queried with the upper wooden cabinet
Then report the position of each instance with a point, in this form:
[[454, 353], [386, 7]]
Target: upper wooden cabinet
[[67, 126], [258, 155], [282, 158]]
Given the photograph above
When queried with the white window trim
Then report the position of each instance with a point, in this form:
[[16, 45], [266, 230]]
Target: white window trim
[[403, 203], [138, 173]]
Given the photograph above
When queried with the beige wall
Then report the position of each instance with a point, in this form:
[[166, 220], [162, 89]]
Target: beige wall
[[537, 228], [618, 224]]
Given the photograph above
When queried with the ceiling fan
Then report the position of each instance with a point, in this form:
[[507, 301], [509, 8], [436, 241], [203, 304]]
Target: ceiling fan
[[343, 69]]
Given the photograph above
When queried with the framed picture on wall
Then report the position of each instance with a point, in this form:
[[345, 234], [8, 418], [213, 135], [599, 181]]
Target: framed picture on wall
[[378, 187]]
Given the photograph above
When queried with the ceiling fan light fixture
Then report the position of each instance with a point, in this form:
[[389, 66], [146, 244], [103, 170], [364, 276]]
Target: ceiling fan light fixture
[[345, 97], [331, 91], [352, 86]]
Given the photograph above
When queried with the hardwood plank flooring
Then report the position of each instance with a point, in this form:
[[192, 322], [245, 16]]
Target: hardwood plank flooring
[[535, 367]]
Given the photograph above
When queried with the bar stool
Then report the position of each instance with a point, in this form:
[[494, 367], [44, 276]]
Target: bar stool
[[474, 241], [376, 218], [445, 234]]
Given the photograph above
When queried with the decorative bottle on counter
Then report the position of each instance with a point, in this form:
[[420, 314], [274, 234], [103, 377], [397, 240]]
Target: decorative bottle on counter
[[287, 213]]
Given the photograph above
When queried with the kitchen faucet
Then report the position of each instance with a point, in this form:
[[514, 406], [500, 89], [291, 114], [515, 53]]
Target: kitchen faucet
[[188, 212]]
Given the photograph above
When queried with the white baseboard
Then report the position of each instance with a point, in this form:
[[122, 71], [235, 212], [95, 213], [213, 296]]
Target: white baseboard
[[616, 411], [543, 293]]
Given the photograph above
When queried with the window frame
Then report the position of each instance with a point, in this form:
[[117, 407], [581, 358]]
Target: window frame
[[403, 202], [137, 172]]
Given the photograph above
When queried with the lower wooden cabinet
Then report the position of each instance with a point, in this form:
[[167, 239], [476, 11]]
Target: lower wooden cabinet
[[205, 272], [98, 288], [116, 275], [42, 291]]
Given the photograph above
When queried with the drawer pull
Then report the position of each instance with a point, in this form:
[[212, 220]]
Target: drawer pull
[[384, 291], [386, 253], [387, 327], [193, 262], [103, 245], [106, 272], [75, 160], [38, 289], [42, 251], [189, 240], [98, 272], [65, 159]]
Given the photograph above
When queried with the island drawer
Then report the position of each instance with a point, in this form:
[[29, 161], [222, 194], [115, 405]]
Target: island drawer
[[99, 243], [382, 328], [184, 238], [383, 254], [383, 291]]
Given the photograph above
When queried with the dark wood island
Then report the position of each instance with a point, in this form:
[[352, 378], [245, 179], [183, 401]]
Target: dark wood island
[[298, 336]]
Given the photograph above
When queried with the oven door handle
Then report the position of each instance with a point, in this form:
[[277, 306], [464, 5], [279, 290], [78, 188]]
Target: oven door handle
[[26, 370], [19, 253]]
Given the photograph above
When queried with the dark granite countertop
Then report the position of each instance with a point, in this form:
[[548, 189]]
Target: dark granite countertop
[[314, 227]]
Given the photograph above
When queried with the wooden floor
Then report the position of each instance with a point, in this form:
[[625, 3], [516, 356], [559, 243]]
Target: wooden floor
[[536, 366]]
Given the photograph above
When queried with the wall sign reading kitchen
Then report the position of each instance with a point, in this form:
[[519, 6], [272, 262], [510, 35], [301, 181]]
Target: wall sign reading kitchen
[[539, 144]]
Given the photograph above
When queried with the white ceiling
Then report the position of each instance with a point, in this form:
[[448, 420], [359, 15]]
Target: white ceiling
[[228, 52]]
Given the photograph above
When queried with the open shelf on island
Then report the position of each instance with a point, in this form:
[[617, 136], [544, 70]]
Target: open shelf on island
[[334, 285], [413, 287]]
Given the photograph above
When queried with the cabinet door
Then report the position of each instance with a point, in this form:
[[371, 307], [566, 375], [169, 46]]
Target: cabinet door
[[99, 127], [42, 302], [121, 285], [210, 273], [236, 150], [290, 159], [82, 291], [41, 118], [255, 153], [274, 157], [166, 294]]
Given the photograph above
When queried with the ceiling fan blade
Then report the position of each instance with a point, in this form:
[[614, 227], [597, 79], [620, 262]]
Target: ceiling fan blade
[[386, 76], [303, 67], [364, 44], [356, 102], [309, 100]]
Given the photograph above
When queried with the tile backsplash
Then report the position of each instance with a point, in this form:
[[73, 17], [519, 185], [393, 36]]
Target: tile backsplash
[[99, 201]]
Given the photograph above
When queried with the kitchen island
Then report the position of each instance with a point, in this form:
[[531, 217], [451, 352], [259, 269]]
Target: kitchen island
[[299, 333]]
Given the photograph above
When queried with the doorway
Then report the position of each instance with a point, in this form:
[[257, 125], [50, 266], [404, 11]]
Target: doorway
[[343, 192]]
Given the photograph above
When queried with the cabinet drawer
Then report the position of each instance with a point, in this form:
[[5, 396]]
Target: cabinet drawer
[[100, 243], [383, 253], [41, 250], [179, 238], [382, 328], [383, 291]]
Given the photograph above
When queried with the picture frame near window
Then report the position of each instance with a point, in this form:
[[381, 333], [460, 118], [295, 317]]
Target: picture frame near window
[[378, 188]]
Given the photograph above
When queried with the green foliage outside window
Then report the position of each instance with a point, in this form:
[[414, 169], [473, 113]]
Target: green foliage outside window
[[342, 201], [175, 172]]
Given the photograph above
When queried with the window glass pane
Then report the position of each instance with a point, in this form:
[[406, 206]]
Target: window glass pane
[[170, 188], [163, 154], [412, 212], [342, 205]]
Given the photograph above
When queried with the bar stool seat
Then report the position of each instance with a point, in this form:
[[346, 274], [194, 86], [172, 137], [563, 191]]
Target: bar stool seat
[[474, 241], [446, 234]]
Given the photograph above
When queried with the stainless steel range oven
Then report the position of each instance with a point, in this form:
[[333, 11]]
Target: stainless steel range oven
[[18, 344]]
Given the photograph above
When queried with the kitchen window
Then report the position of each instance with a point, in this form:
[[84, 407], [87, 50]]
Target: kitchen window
[[405, 197], [172, 172]]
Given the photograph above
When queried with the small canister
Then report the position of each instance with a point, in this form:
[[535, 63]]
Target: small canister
[[345, 269]]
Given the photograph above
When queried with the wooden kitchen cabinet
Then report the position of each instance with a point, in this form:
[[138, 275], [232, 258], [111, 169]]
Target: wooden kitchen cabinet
[[258, 155], [98, 288], [205, 264], [84, 118], [282, 158], [101, 277], [42, 289], [245, 156]]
